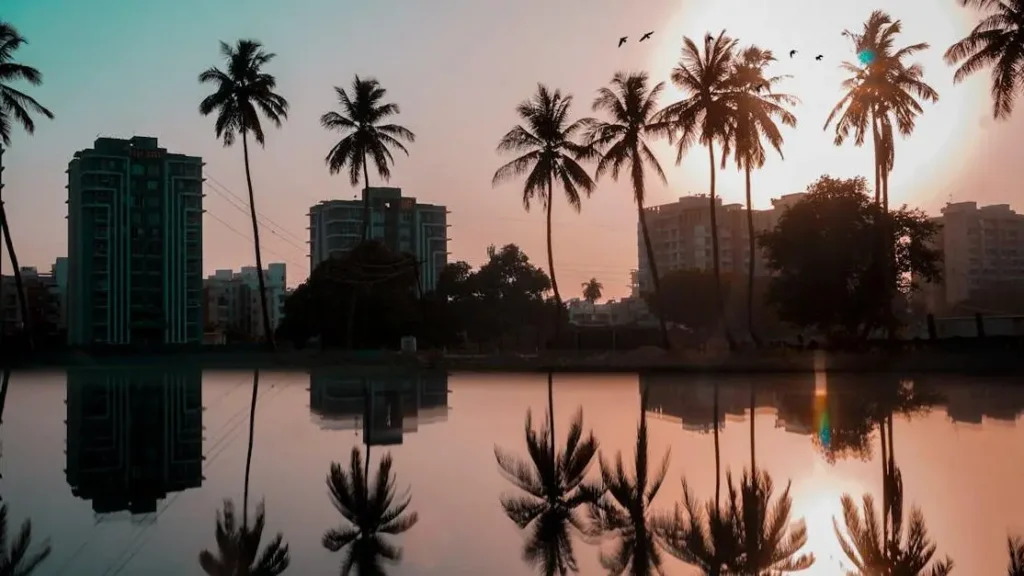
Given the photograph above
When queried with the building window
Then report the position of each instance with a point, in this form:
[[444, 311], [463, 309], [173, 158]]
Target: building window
[[138, 169]]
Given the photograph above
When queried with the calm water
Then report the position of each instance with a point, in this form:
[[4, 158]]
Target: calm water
[[125, 471]]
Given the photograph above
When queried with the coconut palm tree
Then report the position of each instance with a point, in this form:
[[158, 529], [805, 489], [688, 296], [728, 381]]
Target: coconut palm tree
[[248, 452], [592, 291], [15, 107], [366, 137], [768, 542], [1016, 548], [699, 535], [550, 153], [238, 547], [705, 116], [368, 512], [757, 111], [554, 486], [997, 41], [624, 511], [16, 560], [621, 144], [242, 92]]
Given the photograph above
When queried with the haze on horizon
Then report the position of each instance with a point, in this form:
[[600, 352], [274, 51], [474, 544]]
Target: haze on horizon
[[457, 68]]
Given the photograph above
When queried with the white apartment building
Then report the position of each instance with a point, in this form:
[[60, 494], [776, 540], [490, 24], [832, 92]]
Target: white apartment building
[[232, 301]]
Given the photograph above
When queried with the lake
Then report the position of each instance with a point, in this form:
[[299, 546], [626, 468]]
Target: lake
[[124, 471]]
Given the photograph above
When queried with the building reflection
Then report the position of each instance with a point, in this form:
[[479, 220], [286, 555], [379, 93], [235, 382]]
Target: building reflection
[[382, 406], [133, 437]]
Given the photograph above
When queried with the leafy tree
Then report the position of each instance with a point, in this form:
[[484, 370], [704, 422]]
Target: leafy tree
[[15, 107], [757, 110], [243, 91], [510, 292], [997, 42], [690, 297], [238, 547], [549, 153], [820, 282], [592, 290], [366, 137], [621, 143], [706, 115]]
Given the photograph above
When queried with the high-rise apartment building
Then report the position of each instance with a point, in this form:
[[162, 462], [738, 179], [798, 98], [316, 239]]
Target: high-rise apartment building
[[403, 224], [135, 244], [681, 236], [981, 247]]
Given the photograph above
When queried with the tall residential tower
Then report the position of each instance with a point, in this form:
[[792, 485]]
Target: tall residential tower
[[135, 244]]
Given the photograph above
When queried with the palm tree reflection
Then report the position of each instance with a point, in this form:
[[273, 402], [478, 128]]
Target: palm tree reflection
[[1016, 548], [700, 535], [555, 486], [768, 542]]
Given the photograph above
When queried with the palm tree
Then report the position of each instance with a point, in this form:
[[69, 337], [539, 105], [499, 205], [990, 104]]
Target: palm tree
[[369, 512], [366, 137], [1016, 548], [624, 511], [768, 542], [555, 487], [705, 115], [887, 550], [621, 143], [15, 107], [592, 291], [242, 92], [996, 41], [549, 153], [701, 536], [757, 109], [238, 547], [248, 452]]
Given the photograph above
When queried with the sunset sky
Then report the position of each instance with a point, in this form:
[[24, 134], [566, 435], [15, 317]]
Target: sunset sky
[[458, 68]]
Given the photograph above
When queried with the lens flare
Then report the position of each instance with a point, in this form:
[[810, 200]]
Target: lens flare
[[866, 57]]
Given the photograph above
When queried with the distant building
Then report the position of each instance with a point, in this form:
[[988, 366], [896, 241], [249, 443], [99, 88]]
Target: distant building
[[133, 436], [403, 224], [681, 236], [135, 244], [44, 294], [627, 311], [231, 303]]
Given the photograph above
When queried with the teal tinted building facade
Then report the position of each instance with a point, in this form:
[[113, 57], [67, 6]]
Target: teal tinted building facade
[[135, 245]]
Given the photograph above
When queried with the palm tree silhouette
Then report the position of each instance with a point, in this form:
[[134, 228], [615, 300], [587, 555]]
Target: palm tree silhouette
[[705, 115], [368, 513], [702, 536], [366, 137], [550, 153], [592, 291], [242, 91], [757, 110], [555, 487], [997, 42], [15, 106], [624, 511], [621, 143], [16, 560], [1016, 548], [768, 542]]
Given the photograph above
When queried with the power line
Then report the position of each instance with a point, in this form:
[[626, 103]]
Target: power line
[[243, 208], [249, 239], [246, 203]]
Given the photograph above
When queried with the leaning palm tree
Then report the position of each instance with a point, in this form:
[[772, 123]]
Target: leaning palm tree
[[1016, 548], [550, 153], [243, 91], [624, 511], [757, 110], [366, 137], [15, 107], [554, 489], [699, 535], [369, 512], [705, 116], [875, 549], [621, 143], [997, 41], [238, 547], [768, 542]]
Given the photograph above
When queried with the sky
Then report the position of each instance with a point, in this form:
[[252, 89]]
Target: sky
[[457, 68]]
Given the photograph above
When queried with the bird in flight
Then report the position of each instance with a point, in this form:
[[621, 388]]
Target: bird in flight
[[646, 36], [622, 41], [819, 57]]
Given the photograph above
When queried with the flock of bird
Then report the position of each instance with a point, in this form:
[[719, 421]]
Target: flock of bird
[[647, 36]]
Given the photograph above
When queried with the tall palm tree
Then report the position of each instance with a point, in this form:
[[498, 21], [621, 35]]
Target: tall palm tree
[[366, 137], [555, 487], [547, 142], [768, 542], [624, 511], [757, 111], [369, 509], [248, 452], [238, 547], [243, 91], [997, 41], [15, 107], [705, 116], [621, 143], [702, 536]]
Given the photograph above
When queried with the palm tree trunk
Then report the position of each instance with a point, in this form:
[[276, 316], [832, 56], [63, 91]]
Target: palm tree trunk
[[551, 413], [885, 481], [366, 201], [268, 331], [654, 275], [2, 324], [551, 267], [18, 283], [716, 265], [752, 248], [718, 451], [248, 453], [753, 461]]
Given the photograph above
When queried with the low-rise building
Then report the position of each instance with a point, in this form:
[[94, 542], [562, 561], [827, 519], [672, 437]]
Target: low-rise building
[[45, 295], [232, 309]]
